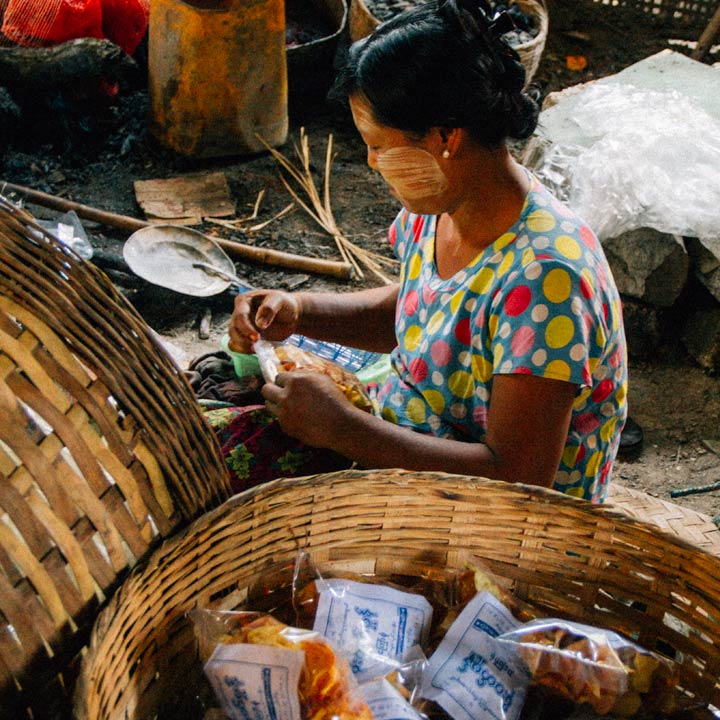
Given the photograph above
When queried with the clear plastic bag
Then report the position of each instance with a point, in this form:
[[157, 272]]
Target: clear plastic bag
[[653, 160], [262, 668], [284, 357], [590, 665]]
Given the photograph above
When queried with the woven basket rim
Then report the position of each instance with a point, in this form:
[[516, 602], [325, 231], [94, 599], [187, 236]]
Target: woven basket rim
[[179, 553]]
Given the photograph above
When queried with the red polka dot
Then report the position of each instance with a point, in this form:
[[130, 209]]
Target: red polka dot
[[440, 353], [522, 340], [586, 423], [518, 300], [588, 237], [522, 370], [411, 303], [603, 390], [581, 455], [417, 227], [587, 377], [480, 415], [462, 331], [418, 369], [586, 288], [392, 235]]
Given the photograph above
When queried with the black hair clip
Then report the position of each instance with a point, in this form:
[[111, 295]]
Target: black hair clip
[[502, 24]]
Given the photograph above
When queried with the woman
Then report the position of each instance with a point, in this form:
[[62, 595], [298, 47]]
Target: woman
[[505, 329]]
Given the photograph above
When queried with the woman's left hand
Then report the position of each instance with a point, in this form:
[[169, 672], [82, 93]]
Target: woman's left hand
[[309, 406]]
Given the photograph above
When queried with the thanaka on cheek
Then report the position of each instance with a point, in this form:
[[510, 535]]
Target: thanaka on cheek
[[412, 171]]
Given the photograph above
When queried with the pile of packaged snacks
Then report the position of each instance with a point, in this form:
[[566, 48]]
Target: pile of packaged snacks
[[436, 645]]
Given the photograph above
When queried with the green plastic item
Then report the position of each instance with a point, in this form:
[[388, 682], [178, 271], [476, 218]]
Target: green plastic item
[[245, 364], [377, 372]]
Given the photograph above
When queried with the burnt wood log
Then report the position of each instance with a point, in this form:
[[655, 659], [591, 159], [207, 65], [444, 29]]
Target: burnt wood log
[[76, 67]]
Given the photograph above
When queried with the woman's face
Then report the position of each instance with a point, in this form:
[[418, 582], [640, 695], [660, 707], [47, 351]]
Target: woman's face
[[409, 166]]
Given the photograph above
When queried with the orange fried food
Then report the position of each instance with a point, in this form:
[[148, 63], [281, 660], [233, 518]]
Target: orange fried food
[[295, 358], [325, 688]]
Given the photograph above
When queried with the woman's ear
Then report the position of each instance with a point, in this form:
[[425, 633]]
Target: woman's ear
[[450, 139]]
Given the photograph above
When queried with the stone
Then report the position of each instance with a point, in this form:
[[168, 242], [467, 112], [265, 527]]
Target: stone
[[702, 338], [648, 265], [705, 256]]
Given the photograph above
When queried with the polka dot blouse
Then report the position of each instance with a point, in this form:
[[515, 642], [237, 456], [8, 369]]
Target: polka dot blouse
[[540, 300]]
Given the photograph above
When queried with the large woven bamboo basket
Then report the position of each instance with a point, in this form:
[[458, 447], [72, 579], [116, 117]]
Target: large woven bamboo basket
[[567, 557], [362, 22], [103, 452]]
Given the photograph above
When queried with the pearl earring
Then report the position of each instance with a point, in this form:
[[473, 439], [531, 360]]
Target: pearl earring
[[446, 154]]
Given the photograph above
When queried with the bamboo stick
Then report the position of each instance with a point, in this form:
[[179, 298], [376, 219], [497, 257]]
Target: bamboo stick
[[260, 255]]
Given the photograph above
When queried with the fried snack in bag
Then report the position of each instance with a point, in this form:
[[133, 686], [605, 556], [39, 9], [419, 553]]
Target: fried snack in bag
[[284, 357], [326, 689], [589, 665]]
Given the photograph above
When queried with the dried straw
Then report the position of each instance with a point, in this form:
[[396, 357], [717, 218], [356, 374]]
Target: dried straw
[[320, 208]]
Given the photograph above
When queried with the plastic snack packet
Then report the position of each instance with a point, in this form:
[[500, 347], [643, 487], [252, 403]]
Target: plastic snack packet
[[590, 665], [284, 357], [386, 702], [472, 676], [264, 669], [373, 626]]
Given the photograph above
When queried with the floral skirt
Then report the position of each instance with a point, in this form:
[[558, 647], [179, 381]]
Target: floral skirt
[[257, 450]]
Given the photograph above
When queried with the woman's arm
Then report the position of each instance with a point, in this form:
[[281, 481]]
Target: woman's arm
[[364, 319], [527, 429]]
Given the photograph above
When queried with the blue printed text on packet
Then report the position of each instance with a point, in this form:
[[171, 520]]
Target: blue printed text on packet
[[372, 626], [471, 675]]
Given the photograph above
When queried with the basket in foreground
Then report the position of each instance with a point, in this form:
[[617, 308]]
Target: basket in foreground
[[567, 557]]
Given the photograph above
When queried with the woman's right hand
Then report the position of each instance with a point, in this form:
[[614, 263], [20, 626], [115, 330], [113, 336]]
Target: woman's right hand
[[274, 314]]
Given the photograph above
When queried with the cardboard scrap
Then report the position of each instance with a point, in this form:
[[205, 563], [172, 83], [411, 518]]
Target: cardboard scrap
[[185, 200]]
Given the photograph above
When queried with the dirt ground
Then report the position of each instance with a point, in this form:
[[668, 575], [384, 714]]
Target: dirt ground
[[675, 402]]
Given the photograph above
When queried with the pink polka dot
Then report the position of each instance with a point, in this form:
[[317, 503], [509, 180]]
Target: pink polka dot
[[480, 414], [586, 288], [518, 300], [418, 369], [428, 295], [392, 235], [440, 353], [616, 358], [588, 237], [586, 423], [462, 331], [587, 324], [602, 277], [522, 340], [480, 320], [603, 390], [411, 303]]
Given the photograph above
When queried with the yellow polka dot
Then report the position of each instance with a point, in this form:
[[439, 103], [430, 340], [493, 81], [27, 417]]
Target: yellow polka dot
[[482, 281], [413, 337], [600, 336], [493, 325], [498, 352], [504, 240], [568, 246], [615, 315], [541, 221], [589, 279], [436, 322], [559, 331], [461, 384], [528, 256], [481, 369], [577, 492], [557, 285], [581, 397], [558, 370], [593, 465], [621, 394], [435, 400], [415, 266], [593, 362], [608, 429], [504, 266], [457, 301], [415, 410], [569, 456], [389, 415]]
